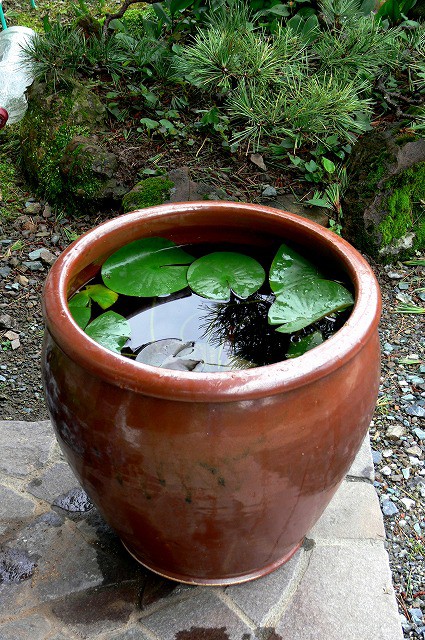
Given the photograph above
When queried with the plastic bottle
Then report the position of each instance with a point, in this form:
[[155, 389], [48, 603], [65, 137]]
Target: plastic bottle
[[15, 76]]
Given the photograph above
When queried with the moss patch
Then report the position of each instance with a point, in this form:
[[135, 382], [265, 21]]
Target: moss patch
[[405, 211], [147, 193], [50, 123]]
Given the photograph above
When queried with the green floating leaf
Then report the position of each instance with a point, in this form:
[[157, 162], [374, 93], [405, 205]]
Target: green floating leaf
[[289, 268], [104, 297], [79, 306], [110, 330], [297, 349], [307, 302], [215, 275], [148, 267]]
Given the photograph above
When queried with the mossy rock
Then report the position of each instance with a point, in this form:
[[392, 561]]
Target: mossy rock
[[147, 193], [52, 122], [384, 216], [87, 171]]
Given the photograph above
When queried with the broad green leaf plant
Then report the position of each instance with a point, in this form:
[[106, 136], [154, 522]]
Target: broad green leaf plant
[[155, 266]]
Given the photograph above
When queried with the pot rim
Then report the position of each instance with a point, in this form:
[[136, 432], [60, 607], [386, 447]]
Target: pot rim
[[227, 386]]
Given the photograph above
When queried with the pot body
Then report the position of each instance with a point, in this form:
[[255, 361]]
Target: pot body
[[211, 478]]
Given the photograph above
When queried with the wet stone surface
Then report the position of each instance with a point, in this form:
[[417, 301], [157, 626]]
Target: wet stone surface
[[64, 574]]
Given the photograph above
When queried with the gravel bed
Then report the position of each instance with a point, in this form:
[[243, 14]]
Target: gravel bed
[[30, 243]]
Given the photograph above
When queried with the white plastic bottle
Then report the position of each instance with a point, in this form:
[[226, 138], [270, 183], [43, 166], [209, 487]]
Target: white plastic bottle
[[15, 75]]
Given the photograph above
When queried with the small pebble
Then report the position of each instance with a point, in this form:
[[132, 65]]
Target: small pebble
[[408, 503], [389, 508], [415, 410]]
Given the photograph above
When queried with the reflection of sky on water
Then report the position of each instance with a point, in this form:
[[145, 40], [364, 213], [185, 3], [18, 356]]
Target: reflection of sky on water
[[184, 318]]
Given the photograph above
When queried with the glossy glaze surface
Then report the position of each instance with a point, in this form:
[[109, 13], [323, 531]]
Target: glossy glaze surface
[[211, 478]]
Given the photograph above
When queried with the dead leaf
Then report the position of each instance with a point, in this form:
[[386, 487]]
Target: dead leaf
[[257, 159]]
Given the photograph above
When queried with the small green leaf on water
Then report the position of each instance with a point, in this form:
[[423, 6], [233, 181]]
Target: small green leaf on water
[[79, 306], [148, 267], [110, 330], [215, 275], [307, 302], [305, 344], [104, 297], [289, 268]]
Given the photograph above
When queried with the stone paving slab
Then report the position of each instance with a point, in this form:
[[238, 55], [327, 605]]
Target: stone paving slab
[[65, 576]]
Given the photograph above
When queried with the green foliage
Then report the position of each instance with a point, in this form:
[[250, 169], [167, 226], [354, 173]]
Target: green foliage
[[148, 267], [216, 275], [302, 295], [308, 109], [111, 330], [395, 11], [64, 52], [357, 51]]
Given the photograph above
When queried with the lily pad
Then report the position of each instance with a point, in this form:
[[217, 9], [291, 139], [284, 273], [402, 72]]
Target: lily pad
[[289, 268], [147, 267], [111, 330], [104, 297], [170, 353], [80, 303], [307, 302], [300, 347], [215, 275], [79, 306]]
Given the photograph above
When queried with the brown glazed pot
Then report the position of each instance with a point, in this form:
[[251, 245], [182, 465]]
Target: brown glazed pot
[[211, 478]]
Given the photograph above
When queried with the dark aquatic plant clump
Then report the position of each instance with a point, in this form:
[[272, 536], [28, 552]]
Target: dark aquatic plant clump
[[239, 322]]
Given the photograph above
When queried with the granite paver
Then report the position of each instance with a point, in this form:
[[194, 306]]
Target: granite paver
[[65, 576]]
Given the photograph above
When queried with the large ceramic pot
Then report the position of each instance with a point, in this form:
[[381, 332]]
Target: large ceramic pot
[[211, 478]]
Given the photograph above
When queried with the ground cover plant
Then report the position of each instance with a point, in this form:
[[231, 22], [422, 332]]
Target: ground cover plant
[[296, 83]]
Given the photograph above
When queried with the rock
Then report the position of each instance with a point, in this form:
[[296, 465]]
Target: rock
[[11, 335], [35, 255], [408, 503], [414, 451], [287, 203], [185, 189], [64, 166], [176, 186], [395, 432], [6, 321], [33, 266], [389, 508], [5, 271], [32, 208], [147, 193], [47, 256], [87, 171], [419, 433], [386, 184], [415, 410], [269, 192], [47, 211]]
